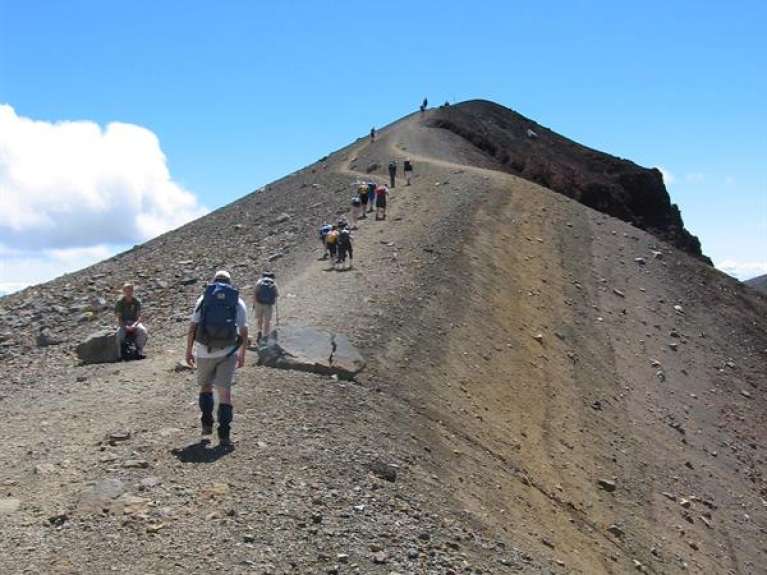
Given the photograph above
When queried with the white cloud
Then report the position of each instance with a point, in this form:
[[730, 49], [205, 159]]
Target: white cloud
[[743, 270], [668, 177], [73, 193], [74, 184], [695, 177]]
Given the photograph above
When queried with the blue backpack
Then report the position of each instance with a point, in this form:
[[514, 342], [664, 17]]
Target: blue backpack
[[266, 292], [218, 316]]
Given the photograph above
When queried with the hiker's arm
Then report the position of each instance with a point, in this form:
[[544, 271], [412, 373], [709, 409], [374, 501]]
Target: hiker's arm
[[243, 346], [190, 343]]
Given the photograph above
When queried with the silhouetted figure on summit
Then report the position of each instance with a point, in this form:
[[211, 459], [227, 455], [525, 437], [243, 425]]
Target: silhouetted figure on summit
[[372, 134], [424, 105]]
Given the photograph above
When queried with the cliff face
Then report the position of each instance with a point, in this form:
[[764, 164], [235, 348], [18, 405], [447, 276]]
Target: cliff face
[[611, 185]]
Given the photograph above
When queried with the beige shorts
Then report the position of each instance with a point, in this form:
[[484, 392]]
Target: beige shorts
[[264, 311], [217, 371]]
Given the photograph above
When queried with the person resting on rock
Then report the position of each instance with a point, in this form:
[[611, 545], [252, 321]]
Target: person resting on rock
[[128, 311]]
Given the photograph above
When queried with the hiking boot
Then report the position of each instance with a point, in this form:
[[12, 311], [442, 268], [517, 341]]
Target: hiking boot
[[225, 442], [207, 429]]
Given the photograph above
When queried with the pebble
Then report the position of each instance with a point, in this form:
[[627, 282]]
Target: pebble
[[607, 485]]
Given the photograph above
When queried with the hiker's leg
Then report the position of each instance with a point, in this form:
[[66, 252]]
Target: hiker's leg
[[141, 337], [119, 339], [224, 380], [267, 314], [205, 400]]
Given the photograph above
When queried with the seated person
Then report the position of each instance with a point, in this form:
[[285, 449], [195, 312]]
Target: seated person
[[128, 311]]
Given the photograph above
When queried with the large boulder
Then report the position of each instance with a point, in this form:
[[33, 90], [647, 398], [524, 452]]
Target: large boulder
[[310, 349], [99, 347]]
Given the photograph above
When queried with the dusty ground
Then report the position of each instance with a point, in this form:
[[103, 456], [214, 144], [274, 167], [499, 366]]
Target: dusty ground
[[518, 355]]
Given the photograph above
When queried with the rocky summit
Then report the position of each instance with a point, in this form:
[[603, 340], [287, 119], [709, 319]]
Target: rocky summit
[[530, 368]]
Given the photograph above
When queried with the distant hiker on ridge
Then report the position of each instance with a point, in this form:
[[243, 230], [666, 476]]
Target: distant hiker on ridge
[[264, 300], [362, 193], [128, 311], [392, 172], [371, 195], [408, 170], [344, 248], [372, 134], [219, 334], [381, 193], [324, 231], [424, 105]]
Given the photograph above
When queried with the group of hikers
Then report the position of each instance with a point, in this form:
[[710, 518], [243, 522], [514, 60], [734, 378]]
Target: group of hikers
[[218, 335]]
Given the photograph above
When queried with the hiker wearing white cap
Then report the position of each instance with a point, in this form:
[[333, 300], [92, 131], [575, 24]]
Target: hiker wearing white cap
[[216, 344]]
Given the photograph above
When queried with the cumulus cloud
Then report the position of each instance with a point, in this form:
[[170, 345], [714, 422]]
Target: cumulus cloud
[[743, 270], [73, 193], [75, 184]]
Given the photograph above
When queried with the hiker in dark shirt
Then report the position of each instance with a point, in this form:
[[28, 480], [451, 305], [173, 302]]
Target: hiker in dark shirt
[[392, 172], [128, 312], [372, 134], [408, 169]]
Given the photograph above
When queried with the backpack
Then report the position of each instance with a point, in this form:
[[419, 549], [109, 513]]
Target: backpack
[[218, 316], [344, 239], [128, 348], [392, 166], [325, 230], [266, 291], [331, 237]]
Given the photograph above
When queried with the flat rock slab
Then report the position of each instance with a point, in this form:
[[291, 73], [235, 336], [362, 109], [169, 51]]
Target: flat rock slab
[[311, 349]]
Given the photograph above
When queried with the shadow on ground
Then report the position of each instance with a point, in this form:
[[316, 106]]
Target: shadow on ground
[[201, 452]]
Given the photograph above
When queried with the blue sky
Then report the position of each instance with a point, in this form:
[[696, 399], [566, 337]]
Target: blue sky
[[241, 93]]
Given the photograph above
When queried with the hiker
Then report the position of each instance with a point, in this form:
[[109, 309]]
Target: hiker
[[219, 334], [424, 105], [344, 248], [392, 172], [371, 195], [331, 242], [381, 193], [408, 170], [324, 231], [128, 312], [362, 193], [372, 134], [356, 205], [264, 300]]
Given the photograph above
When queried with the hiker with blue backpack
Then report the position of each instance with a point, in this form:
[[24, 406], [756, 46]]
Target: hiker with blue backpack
[[264, 301], [216, 344]]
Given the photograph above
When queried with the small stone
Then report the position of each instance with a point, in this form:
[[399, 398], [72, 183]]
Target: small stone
[[640, 261], [384, 471], [248, 539], [119, 436], [618, 292], [58, 519], [685, 503], [342, 558], [616, 530], [149, 483], [538, 337], [155, 528], [135, 464], [607, 485], [745, 393], [380, 558]]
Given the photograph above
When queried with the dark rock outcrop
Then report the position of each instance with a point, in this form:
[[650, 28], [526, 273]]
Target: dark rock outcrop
[[99, 347], [611, 185]]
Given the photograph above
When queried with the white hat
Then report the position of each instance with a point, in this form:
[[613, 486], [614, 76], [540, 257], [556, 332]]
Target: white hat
[[222, 275]]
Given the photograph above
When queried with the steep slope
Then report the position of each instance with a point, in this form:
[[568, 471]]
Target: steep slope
[[522, 147], [758, 283], [522, 349]]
